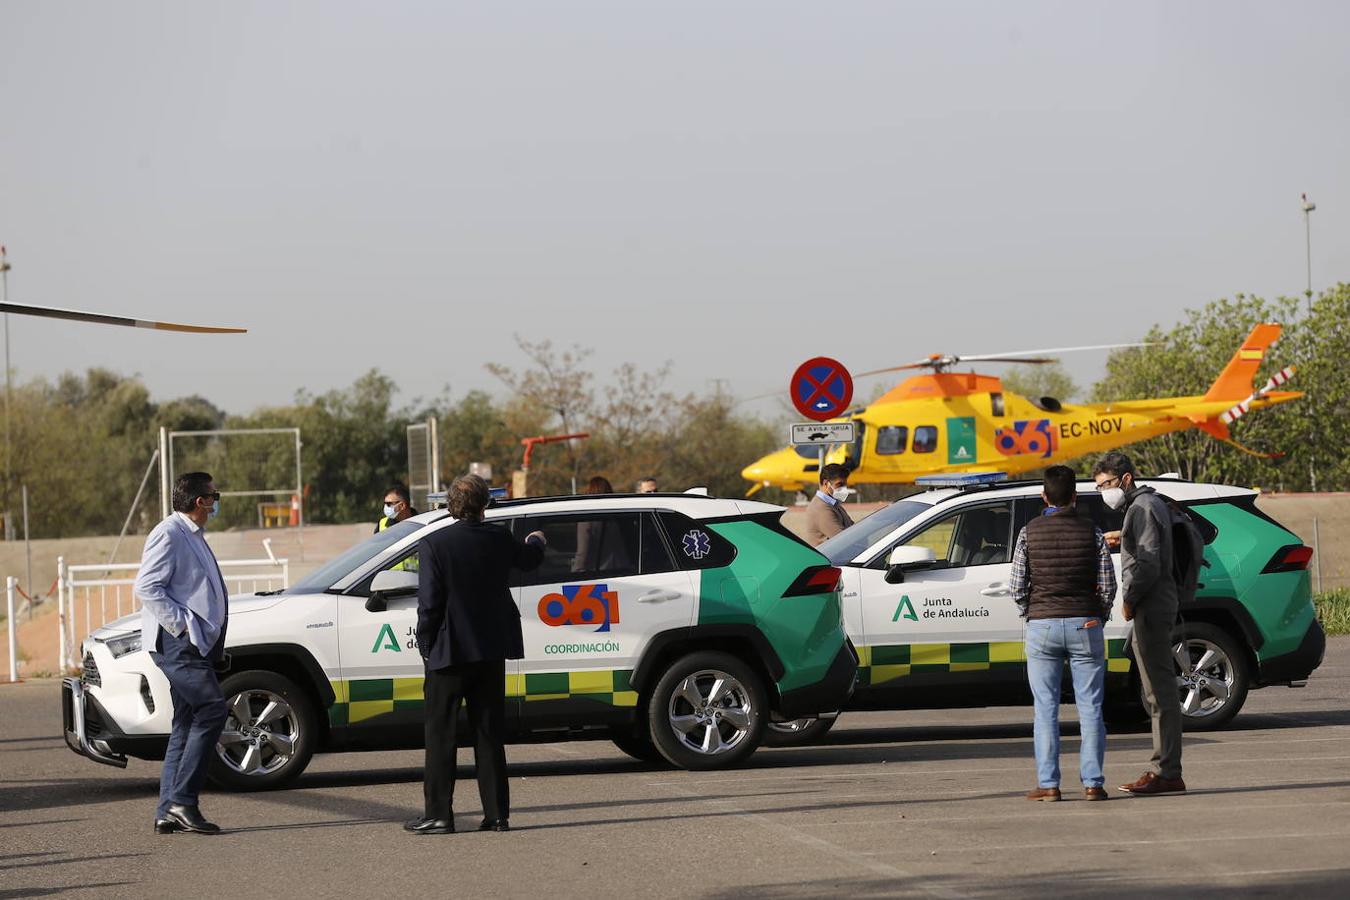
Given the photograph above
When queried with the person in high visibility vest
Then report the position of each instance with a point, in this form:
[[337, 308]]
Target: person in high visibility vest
[[397, 507]]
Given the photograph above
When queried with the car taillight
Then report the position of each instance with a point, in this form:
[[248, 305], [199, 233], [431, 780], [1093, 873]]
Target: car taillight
[[815, 580], [1293, 558]]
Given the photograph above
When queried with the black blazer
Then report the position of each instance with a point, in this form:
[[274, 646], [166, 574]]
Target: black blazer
[[465, 612]]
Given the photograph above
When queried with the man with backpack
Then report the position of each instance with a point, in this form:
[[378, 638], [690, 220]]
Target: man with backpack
[[1150, 598]]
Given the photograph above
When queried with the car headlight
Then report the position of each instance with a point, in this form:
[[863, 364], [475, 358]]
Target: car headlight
[[121, 646]]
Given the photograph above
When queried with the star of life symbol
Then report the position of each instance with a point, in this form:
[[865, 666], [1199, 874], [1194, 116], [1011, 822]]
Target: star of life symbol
[[696, 545]]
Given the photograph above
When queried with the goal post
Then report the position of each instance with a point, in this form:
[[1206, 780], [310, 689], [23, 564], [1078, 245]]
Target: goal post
[[253, 468]]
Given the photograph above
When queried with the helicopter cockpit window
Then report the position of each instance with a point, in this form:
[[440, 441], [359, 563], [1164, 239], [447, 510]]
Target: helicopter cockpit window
[[925, 439], [855, 449], [996, 402], [891, 439]]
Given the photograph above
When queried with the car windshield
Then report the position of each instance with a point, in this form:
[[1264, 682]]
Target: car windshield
[[328, 574], [845, 546]]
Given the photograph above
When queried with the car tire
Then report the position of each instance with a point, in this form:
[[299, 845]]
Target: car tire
[[637, 743], [707, 711], [270, 732], [1215, 679], [797, 732]]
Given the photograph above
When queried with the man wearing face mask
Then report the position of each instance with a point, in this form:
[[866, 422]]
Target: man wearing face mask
[[183, 619], [825, 514], [1149, 599], [397, 507]]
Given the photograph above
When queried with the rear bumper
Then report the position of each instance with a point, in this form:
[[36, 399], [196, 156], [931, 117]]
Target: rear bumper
[[1298, 664], [74, 706], [827, 695]]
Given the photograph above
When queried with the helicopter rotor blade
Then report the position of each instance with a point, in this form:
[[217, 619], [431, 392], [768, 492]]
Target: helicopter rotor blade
[[72, 315], [918, 365], [1007, 357]]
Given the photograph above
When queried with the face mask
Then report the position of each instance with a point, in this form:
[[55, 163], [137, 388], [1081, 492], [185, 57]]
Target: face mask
[[389, 511], [215, 509], [1114, 497], [841, 492]]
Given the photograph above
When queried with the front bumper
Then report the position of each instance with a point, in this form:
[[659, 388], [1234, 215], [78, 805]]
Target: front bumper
[[75, 721], [827, 695]]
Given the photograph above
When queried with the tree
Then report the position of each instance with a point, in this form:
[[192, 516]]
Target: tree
[[1049, 380]]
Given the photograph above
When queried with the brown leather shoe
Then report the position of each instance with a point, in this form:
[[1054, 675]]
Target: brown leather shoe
[[1041, 793], [1095, 793], [1150, 783]]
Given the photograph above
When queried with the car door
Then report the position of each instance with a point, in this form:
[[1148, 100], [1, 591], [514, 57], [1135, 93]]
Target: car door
[[381, 669], [953, 622], [608, 582]]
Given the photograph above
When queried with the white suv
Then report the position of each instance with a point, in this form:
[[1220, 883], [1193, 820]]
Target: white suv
[[701, 621], [926, 601]]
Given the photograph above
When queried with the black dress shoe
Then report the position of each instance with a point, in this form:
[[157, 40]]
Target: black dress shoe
[[165, 826], [430, 826], [188, 818], [494, 825]]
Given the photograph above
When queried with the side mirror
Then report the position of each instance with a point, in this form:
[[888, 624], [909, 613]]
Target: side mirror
[[905, 557], [394, 583], [387, 584]]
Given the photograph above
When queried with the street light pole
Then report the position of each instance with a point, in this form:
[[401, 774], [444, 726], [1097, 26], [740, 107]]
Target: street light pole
[[1308, 207], [9, 411]]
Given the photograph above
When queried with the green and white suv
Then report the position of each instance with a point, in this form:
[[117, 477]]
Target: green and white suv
[[702, 621], [925, 592]]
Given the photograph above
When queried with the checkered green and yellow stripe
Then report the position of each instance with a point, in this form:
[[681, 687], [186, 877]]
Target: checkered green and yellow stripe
[[357, 700], [887, 662]]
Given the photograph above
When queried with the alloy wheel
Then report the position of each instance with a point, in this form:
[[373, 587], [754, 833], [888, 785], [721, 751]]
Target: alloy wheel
[[710, 712], [260, 733]]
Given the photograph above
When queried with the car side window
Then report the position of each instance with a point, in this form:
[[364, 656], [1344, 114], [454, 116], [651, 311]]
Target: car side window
[[891, 440], [696, 546], [976, 536], [925, 439], [1089, 505], [584, 547], [656, 556]]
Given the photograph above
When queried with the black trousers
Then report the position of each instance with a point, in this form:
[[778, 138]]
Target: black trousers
[[482, 687]]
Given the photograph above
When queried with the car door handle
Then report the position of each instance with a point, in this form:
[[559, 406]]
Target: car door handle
[[997, 589], [658, 596]]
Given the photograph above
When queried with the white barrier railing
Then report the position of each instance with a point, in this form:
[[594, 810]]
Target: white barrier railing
[[90, 596]]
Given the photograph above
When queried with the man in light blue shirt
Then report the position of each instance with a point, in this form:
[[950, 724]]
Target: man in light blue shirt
[[183, 621]]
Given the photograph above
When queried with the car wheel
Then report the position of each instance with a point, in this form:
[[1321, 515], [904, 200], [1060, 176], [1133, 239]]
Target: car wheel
[[637, 743], [1212, 675], [707, 711], [269, 735], [797, 732]]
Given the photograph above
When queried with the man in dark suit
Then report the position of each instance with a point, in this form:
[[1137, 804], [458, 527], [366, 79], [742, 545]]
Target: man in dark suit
[[467, 627]]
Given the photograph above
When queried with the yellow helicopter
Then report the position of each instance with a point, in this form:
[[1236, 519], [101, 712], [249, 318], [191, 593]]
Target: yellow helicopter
[[949, 422]]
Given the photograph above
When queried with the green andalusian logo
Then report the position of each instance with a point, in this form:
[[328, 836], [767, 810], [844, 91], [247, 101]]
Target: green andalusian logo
[[905, 609], [385, 640]]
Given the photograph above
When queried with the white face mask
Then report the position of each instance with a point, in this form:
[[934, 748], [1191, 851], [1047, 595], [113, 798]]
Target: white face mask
[[1114, 497], [841, 492], [389, 510]]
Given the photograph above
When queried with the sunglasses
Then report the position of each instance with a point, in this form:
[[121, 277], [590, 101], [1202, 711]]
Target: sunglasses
[[214, 495]]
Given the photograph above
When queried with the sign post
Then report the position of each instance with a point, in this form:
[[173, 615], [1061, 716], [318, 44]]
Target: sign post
[[821, 389]]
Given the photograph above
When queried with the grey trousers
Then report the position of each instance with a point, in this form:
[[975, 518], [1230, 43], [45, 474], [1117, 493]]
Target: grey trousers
[[1151, 641]]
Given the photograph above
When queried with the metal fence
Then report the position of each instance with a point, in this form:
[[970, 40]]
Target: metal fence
[[90, 596]]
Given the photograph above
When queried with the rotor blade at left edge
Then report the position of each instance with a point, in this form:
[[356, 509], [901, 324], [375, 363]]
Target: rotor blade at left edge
[[74, 315]]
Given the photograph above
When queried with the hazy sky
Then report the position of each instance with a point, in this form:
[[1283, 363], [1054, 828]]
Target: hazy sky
[[730, 186]]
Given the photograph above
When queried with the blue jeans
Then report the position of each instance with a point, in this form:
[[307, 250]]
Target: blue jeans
[[199, 715], [1049, 644]]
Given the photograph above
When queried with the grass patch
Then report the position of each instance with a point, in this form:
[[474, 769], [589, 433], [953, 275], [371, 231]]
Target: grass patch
[[1333, 608]]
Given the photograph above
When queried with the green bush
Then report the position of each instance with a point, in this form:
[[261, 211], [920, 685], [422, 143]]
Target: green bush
[[1333, 608]]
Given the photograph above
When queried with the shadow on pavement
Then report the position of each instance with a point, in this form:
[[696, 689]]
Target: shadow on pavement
[[1077, 883], [53, 891]]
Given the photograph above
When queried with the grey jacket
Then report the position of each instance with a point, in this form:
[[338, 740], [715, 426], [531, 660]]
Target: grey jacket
[[1146, 550]]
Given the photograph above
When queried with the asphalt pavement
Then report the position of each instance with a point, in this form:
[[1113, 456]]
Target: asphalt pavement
[[893, 804]]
